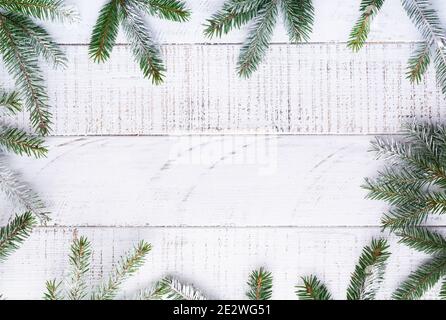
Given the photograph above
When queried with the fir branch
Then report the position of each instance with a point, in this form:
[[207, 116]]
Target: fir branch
[[419, 63], [254, 49], [260, 285], [157, 292], [53, 290], [422, 239], [369, 272], [172, 289], [53, 10], [144, 49], [128, 265], [173, 10], [10, 101], [299, 19], [15, 233], [425, 18], [312, 289], [422, 279], [21, 62], [39, 39], [20, 193], [361, 30], [20, 142], [80, 265], [234, 14], [105, 31], [443, 290]]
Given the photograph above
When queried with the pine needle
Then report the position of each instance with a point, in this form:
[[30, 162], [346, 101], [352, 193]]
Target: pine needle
[[260, 285], [15, 233], [312, 289]]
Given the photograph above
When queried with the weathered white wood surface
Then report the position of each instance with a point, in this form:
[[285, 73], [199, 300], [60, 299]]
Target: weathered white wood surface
[[206, 181], [216, 260], [216, 207], [306, 89]]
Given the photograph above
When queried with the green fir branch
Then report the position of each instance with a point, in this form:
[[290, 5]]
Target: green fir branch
[[299, 19], [419, 63], [361, 30], [15, 233], [144, 49], [52, 10], [172, 289], [173, 10], [128, 265], [20, 142], [80, 265], [443, 290], [53, 290], [369, 272], [423, 240], [20, 193], [10, 101], [422, 279], [260, 285], [312, 289]]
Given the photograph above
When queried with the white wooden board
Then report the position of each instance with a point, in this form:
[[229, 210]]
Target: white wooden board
[[216, 260], [306, 89], [206, 181]]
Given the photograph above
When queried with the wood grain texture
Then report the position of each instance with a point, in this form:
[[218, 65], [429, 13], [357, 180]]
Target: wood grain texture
[[333, 22], [206, 181], [305, 89], [216, 260]]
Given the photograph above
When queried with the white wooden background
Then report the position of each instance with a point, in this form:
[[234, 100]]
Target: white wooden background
[[222, 175]]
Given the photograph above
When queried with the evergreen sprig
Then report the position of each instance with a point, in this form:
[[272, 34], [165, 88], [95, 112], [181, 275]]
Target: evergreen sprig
[[20, 193], [20, 142], [172, 289], [15, 233], [10, 101], [361, 30], [312, 289], [22, 42], [129, 14], [127, 266], [79, 259], [365, 280], [298, 16], [414, 184], [260, 285], [369, 272]]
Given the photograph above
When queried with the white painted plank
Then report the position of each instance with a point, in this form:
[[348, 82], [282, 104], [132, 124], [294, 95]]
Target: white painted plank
[[333, 22], [206, 181], [217, 260], [308, 89]]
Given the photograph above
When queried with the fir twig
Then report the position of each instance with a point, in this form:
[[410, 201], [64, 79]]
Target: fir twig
[[128, 265], [130, 15], [312, 289], [15, 233], [361, 30], [10, 101], [172, 289], [260, 285], [422, 279], [20, 193], [53, 290], [422, 239], [20, 142], [80, 265], [369, 272], [53, 10]]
